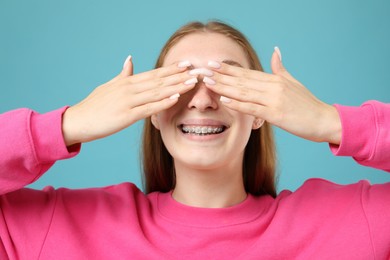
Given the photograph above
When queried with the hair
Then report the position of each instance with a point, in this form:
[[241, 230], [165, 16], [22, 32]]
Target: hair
[[259, 162]]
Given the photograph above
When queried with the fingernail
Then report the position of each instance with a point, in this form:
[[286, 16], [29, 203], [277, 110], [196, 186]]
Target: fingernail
[[276, 48], [203, 71], [191, 81], [175, 96], [127, 61], [184, 64], [214, 64], [225, 99], [208, 81]]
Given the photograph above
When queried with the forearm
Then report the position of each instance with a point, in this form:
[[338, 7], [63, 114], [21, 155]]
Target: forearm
[[30, 144]]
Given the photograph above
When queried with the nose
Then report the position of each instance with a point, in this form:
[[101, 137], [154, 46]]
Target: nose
[[202, 98]]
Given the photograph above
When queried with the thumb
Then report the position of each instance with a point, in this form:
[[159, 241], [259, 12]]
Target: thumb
[[276, 62], [127, 67], [277, 65]]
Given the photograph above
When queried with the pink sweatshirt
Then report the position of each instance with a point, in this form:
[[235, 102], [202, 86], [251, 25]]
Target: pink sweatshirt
[[321, 220]]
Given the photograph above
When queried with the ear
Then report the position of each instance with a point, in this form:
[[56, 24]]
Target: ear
[[155, 123], [257, 123]]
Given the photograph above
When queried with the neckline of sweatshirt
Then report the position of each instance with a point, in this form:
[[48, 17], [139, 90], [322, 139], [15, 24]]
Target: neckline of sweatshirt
[[247, 211]]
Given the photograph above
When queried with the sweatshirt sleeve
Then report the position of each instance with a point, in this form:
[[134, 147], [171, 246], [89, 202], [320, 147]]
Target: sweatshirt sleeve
[[365, 134], [30, 145]]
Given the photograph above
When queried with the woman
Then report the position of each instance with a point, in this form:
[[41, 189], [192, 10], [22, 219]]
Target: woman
[[208, 162]]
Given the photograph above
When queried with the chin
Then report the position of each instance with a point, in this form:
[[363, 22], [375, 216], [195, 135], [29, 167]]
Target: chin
[[200, 162]]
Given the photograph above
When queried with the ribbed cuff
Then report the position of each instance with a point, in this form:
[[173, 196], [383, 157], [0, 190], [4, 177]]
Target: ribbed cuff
[[358, 132], [46, 131]]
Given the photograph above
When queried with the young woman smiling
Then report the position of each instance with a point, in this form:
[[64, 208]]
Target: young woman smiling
[[209, 165]]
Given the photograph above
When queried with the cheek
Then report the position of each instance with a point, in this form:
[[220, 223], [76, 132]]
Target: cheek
[[168, 117], [245, 121], [163, 124], [166, 120]]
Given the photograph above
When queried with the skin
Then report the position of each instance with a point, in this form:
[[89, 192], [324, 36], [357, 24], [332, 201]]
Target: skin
[[279, 99], [208, 169], [122, 101], [212, 175]]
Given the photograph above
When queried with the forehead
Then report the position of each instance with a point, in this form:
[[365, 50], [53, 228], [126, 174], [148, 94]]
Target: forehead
[[199, 48]]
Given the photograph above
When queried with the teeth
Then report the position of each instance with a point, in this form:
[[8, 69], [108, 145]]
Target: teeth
[[202, 130]]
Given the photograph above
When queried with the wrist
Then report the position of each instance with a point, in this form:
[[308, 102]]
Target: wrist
[[67, 132], [333, 129]]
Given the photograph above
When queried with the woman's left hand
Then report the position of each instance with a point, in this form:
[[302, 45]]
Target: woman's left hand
[[277, 98]]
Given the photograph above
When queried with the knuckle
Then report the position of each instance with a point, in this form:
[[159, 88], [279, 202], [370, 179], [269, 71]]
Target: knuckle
[[219, 78], [245, 73], [148, 110], [253, 110], [159, 82], [240, 83], [156, 93], [243, 92], [184, 76], [157, 73]]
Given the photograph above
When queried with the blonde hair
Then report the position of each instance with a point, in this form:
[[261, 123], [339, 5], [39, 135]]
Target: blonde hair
[[259, 158]]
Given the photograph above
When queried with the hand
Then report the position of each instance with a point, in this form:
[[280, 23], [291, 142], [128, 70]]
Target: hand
[[277, 98], [124, 100]]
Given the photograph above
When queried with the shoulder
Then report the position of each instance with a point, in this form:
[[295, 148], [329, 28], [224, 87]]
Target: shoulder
[[324, 195], [76, 199], [319, 186], [116, 202], [113, 194], [119, 193]]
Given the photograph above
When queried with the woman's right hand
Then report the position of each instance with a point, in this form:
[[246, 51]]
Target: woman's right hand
[[124, 100]]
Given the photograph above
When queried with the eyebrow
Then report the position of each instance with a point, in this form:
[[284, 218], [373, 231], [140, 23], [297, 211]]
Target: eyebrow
[[232, 62]]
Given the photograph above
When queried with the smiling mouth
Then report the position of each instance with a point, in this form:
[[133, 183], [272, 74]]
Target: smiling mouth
[[202, 130]]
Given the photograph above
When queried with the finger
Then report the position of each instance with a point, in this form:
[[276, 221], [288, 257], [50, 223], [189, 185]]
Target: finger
[[127, 70], [255, 93], [158, 94], [130, 67], [183, 77], [151, 108], [277, 66], [153, 95], [127, 67], [240, 82], [276, 61], [237, 71], [253, 109], [162, 72], [156, 84]]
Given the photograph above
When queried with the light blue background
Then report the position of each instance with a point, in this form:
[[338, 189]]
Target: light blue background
[[54, 53]]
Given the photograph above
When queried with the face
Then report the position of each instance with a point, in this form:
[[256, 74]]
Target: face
[[199, 132]]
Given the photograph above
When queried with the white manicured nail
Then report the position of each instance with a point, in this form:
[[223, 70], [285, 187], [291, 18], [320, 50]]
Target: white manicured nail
[[214, 64], [208, 81], [175, 96], [203, 71], [126, 61], [191, 81], [184, 64], [225, 99], [276, 48]]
